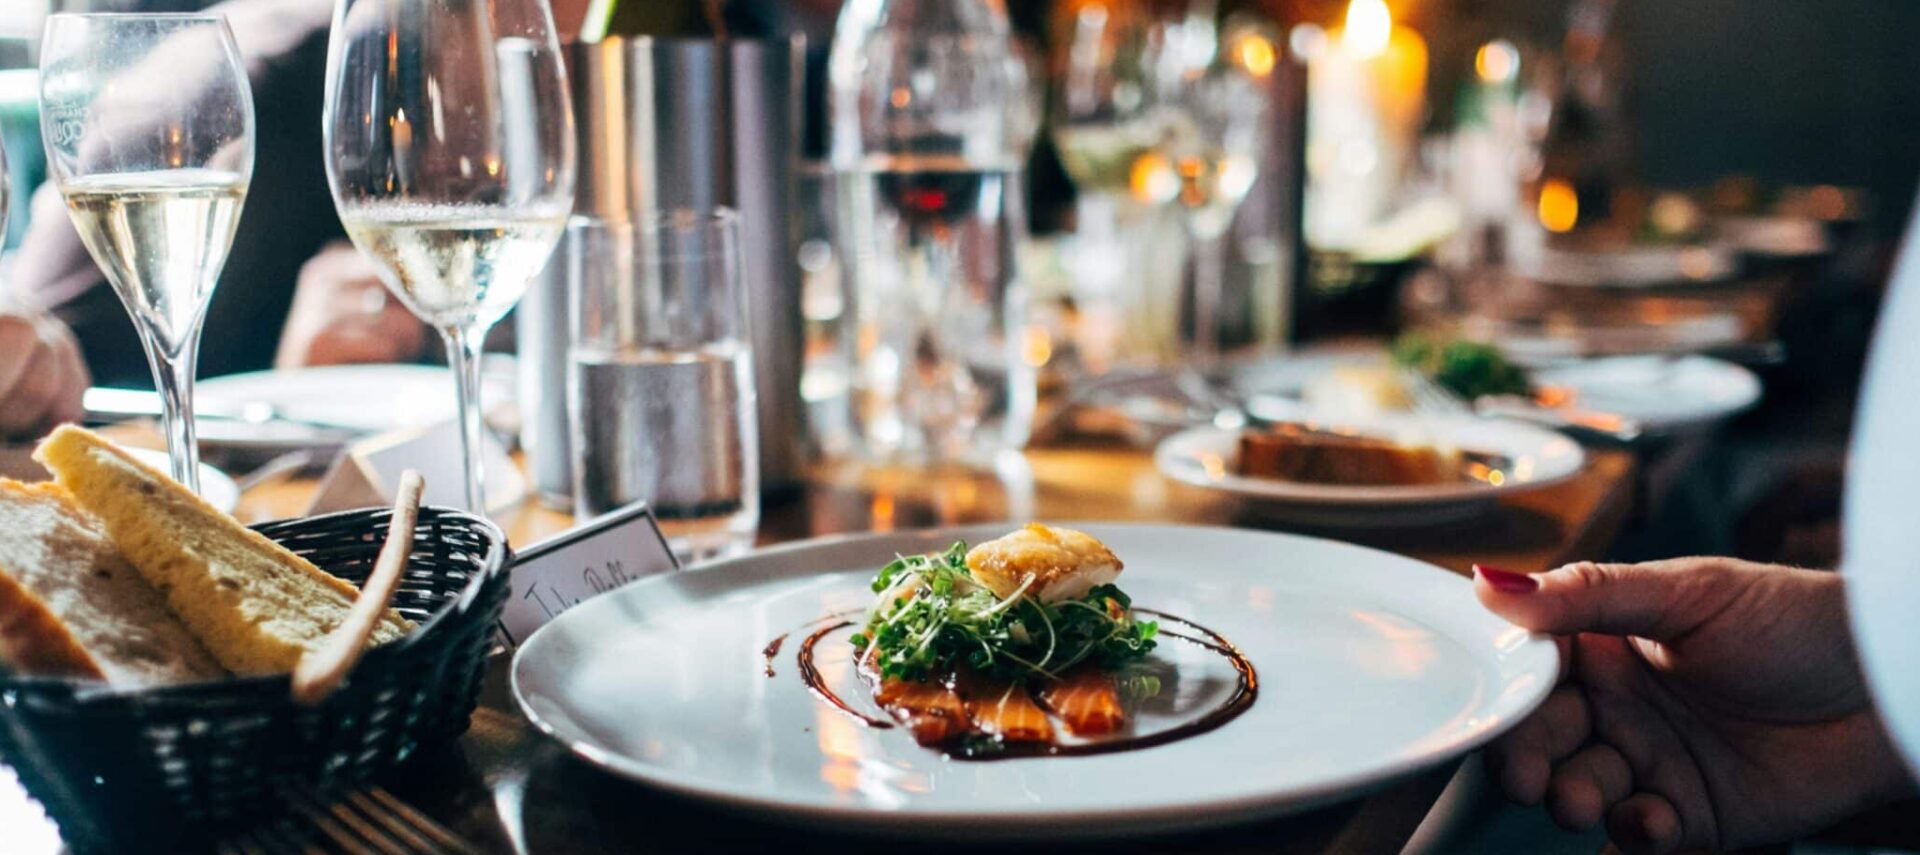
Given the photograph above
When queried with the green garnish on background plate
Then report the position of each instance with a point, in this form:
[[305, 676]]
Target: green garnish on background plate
[[1466, 368]]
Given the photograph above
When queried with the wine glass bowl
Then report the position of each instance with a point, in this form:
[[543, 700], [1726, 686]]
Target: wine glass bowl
[[450, 152], [148, 125], [1106, 117]]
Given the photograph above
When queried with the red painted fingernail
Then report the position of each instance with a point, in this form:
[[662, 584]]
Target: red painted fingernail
[[1507, 581]]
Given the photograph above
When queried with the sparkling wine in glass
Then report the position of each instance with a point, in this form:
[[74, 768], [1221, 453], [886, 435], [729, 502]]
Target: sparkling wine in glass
[[449, 146], [148, 126]]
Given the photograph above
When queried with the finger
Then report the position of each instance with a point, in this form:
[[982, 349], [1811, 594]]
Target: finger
[[24, 404], [1586, 784], [1644, 824], [1522, 761], [18, 341], [1638, 720], [1658, 600], [69, 396]]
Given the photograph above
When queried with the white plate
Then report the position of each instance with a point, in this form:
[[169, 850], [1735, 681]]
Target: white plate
[[17, 462], [1370, 666], [1663, 394], [367, 398], [1204, 457]]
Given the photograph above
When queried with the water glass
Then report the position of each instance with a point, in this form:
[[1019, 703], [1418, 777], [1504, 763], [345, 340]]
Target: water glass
[[660, 392]]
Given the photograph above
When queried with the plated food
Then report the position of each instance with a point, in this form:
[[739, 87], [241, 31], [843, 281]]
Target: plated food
[[1467, 368], [115, 572], [978, 652], [1395, 470], [1370, 666], [1303, 453], [1364, 387]]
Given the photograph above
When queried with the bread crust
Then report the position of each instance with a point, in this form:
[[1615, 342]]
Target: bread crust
[[33, 640]]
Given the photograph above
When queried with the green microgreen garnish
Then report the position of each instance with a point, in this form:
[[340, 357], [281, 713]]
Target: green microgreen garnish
[[932, 617]]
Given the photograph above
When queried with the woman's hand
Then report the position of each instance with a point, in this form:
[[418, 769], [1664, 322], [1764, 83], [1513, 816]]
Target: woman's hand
[[343, 314], [42, 375], [1705, 703]]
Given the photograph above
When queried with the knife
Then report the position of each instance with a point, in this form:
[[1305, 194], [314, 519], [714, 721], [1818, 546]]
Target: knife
[[105, 404]]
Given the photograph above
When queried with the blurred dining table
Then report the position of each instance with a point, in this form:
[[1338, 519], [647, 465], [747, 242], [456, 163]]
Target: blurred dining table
[[507, 788]]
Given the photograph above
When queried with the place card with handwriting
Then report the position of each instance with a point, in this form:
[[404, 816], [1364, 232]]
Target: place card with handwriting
[[580, 563]]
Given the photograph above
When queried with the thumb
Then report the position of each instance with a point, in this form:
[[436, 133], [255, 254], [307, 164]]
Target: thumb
[[1657, 600]]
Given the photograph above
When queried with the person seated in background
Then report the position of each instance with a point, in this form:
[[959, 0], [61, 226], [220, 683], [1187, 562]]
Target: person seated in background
[[342, 313], [41, 374], [289, 238]]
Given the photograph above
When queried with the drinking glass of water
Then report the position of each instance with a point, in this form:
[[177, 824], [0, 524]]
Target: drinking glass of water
[[660, 377]]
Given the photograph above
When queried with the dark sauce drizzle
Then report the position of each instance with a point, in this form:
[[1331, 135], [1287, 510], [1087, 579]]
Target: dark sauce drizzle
[[811, 676], [771, 650], [1236, 703]]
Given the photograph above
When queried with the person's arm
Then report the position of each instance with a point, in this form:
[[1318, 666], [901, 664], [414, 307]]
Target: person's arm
[[1881, 516]]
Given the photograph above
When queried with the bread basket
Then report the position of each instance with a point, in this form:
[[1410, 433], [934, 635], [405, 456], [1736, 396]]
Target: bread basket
[[137, 770]]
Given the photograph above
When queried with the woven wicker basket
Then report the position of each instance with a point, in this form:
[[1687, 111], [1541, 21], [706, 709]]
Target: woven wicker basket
[[143, 770]]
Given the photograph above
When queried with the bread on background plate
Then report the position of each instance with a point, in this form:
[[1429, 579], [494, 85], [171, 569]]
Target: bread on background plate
[[255, 605], [70, 606]]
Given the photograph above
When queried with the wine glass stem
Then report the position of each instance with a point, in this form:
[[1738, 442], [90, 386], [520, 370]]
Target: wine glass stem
[[1209, 274], [173, 377], [463, 353]]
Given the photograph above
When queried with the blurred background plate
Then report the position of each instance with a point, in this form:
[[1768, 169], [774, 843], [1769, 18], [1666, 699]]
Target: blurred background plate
[[1204, 457], [16, 462], [1664, 394], [314, 406]]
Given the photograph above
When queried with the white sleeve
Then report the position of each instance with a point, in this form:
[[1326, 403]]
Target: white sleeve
[[1882, 517]]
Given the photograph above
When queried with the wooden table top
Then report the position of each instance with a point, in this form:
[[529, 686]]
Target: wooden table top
[[509, 789], [1528, 532]]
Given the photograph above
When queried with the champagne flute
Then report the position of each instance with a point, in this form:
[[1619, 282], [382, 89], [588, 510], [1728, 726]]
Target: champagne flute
[[450, 151], [148, 125]]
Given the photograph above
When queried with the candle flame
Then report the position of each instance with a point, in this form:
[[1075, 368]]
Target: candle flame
[[1369, 27]]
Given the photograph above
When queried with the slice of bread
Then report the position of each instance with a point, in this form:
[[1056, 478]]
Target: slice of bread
[[34, 641], [253, 603], [71, 606]]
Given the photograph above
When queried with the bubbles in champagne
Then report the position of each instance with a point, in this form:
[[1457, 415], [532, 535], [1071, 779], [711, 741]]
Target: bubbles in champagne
[[456, 265]]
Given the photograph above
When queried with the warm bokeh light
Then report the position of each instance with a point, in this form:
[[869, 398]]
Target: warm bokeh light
[[1153, 180], [1256, 54], [1038, 347], [1369, 27], [1497, 61], [1559, 206]]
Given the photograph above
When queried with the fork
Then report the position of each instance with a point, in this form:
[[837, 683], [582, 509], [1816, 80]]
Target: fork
[[1432, 399], [362, 822]]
